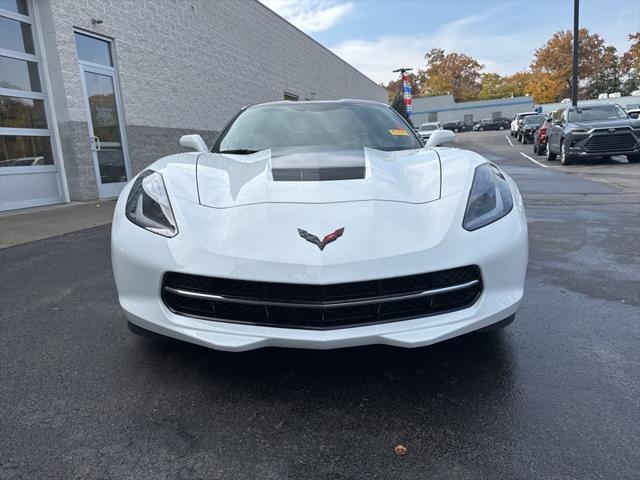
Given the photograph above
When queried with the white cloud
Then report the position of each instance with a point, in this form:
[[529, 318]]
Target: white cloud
[[497, 51], [311, 15]]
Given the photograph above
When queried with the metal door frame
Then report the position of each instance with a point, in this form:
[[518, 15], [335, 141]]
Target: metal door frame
[[108, 190]]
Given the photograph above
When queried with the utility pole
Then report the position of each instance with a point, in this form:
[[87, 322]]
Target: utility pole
[[576, 42]]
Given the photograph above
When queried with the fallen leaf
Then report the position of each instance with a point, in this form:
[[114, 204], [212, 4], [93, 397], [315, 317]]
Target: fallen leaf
[[400, 450]]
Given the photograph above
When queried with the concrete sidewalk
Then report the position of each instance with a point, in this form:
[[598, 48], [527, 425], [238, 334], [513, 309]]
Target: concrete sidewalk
[[31, 224]]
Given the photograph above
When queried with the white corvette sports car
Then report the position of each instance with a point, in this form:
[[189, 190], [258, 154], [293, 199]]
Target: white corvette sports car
[[319, 225]]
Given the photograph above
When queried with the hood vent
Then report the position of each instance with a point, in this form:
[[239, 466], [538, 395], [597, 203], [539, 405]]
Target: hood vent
[[318, 166], [317, 174]]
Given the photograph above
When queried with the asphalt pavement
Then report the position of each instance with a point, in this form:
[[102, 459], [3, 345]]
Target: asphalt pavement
[[554, 396]]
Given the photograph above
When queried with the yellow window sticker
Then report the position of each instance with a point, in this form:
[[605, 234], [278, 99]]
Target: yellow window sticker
[[398, 132]]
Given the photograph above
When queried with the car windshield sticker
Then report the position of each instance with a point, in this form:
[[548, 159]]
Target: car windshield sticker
[[398, 132]]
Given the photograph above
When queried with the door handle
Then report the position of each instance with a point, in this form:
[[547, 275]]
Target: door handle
[[95, 141]]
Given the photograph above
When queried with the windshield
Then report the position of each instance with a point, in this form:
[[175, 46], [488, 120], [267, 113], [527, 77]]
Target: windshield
[[534, 120], [335, 125], [596, 112], [425, 128]]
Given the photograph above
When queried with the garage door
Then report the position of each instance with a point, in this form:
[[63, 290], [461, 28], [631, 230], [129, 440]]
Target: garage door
[[29, 173]]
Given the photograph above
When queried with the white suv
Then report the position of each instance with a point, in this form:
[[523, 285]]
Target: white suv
[[520, 116], [426, 129]]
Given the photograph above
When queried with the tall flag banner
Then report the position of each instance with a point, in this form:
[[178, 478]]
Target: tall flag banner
[[406, 88]]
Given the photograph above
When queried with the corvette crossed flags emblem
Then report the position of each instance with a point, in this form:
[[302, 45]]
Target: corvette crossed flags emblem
[[309, 237]]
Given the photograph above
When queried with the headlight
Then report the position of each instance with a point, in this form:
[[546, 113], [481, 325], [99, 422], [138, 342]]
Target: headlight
[[148, 205], [490, 198], [580, 130]]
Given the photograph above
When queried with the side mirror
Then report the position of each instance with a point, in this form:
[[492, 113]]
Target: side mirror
[[440, 137], [193, 142]]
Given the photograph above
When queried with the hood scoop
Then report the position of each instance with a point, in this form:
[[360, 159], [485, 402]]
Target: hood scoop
[[318, 166], [328, 176]]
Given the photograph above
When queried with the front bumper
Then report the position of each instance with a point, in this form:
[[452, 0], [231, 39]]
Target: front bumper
[[140, 260], [582, 145]]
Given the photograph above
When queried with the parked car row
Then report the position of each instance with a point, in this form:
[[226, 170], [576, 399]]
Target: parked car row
[[499, 123], [570, 133]]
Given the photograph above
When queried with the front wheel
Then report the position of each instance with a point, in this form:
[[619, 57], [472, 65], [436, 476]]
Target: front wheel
[[481, 129], [456, 130], [549, 154], [564, 159], [634, 158], [501, 127]]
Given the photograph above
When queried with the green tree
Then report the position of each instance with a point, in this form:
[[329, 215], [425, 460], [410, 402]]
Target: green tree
[[493, 86], [607, 78], [399, 106]]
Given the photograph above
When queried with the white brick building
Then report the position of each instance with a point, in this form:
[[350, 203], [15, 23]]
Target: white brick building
[[92, 91]]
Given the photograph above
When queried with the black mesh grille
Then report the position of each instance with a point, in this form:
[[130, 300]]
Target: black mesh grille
[[305, 316], [611, 143]]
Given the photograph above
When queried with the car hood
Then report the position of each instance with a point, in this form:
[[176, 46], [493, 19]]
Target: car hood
[[410, 176], [623, 122]]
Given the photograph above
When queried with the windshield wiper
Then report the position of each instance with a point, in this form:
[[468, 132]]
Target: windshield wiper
[[239, 151]]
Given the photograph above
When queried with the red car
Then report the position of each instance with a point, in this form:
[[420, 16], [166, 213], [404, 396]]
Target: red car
[[540, 136]]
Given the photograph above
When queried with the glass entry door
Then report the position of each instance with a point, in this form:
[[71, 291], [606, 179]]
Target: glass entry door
[[105, 129]]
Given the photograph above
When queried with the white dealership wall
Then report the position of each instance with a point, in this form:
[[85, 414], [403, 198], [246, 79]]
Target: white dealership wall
[[183, 66], [446, 109]]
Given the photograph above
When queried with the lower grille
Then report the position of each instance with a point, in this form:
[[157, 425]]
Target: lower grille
[[290, 305], [611, 143]]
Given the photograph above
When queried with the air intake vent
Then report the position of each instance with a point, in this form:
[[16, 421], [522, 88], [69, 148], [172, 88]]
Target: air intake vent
[[290, 305], [317, 174]]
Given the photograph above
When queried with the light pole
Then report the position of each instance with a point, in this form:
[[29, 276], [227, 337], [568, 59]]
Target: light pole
[[405, 89], [576, 42]]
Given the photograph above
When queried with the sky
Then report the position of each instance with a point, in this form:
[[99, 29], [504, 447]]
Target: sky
[[378, 36]]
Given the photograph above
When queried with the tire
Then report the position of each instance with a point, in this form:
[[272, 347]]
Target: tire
[[635, 158], [502, 126], [142, 332], [524, 140], [456, 130], [498, 325], [536, 149], [549, 154], [481, 129], [564, 160]]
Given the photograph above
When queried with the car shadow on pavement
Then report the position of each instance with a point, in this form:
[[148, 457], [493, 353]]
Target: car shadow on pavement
[[474, 367]]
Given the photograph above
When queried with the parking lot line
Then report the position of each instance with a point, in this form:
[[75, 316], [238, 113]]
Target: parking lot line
[[533, 160], [508, 140]]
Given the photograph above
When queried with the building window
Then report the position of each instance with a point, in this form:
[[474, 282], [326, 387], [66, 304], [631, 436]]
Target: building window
[[433, 117], [496, 114], [291, 97], [468, 119], [25, 139], [93, 50], [15, 6]]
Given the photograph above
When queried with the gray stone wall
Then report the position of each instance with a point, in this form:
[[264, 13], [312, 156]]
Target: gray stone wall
[[147, 144], [184, 66]]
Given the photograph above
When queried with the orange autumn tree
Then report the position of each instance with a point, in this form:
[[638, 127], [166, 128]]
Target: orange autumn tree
[[630, 65], [555, 61], [452, 73]]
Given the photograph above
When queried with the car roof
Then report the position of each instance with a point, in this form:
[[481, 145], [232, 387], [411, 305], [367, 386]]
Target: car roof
[[346, 101]]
